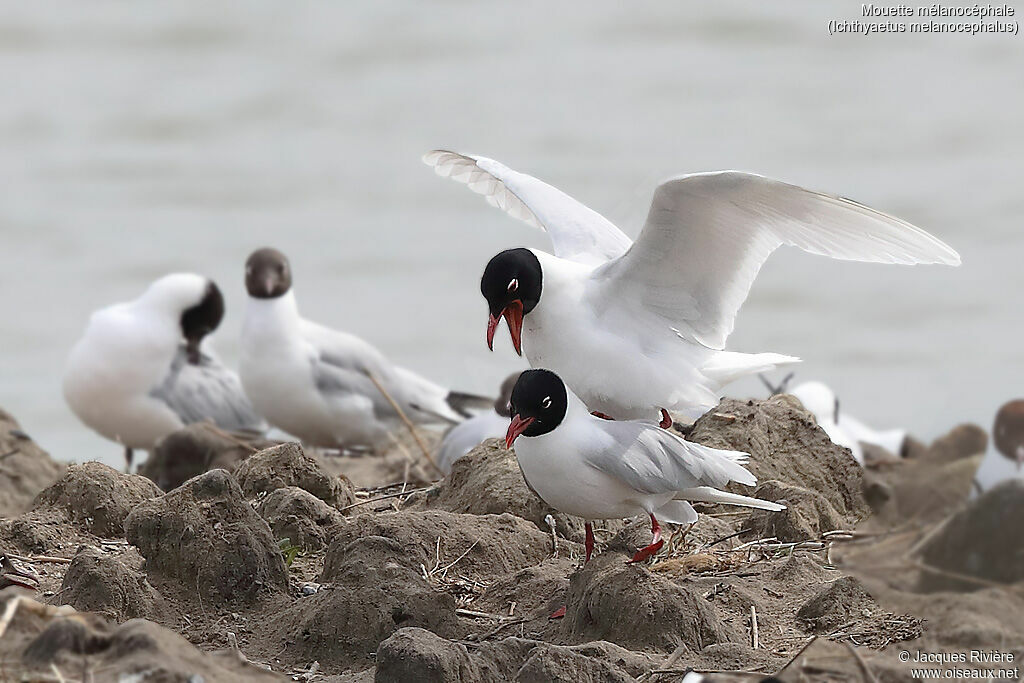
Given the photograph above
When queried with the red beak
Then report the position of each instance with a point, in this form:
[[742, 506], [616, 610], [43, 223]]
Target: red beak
[[518, 426], [513, 314]]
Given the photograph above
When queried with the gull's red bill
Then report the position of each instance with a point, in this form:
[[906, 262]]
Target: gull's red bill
[[513, 314], [518, 426]]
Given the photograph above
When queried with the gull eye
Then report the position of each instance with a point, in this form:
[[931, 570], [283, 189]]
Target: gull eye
[[546, 403], [513, 285]]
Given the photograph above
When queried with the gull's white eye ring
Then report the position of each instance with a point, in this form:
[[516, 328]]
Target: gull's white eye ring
[[546, 403], [513, 285]]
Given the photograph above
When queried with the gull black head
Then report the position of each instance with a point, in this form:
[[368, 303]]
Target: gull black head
[[538, 404], [202, 319], [511, 284], [268, 274], [1008, 431]]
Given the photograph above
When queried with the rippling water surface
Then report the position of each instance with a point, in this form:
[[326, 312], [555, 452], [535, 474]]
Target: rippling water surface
[[139, 139]]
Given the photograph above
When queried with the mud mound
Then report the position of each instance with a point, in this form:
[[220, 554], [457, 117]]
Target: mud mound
[[136, 650], [98, 582], [488, 481], [807, 515], [522, 659], [839, 602], [287, 465], [786, 445], [631, 607], [194, 450], [97, 497], [44, 531], [536, 590], [301, 517], [483, 546], [25, 468], [344, 623], [960, 442], [413, 654], [985, 541], [205, 534]]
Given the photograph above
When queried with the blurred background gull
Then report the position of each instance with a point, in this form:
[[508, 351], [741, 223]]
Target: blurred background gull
[[148, 138]]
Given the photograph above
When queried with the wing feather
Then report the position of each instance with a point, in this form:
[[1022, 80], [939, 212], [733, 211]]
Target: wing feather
[[577, 232], [653, 460], [207, 391], [707, 235]]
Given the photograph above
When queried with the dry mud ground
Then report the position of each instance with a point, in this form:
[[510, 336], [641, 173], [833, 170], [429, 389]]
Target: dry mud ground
[[386, 577]]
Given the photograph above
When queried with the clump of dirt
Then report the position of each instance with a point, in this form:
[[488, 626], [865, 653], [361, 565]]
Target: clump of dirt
[[478, 545], [286, 465], [488, 481], [808, 514], [985, 542], [97, 497], [25, 468], [299, 516], [630, 606], [841, 601], [342, 624], [99, 582], [415, 654], [204, 534], [786, 445], [42, 642], [196, 449]]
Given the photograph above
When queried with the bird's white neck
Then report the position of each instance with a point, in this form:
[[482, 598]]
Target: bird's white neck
[[274, 317]]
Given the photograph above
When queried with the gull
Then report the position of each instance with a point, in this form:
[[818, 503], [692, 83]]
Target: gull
[[141, 369], [593, 468], [842, 428], [328, 388], [640, 328]]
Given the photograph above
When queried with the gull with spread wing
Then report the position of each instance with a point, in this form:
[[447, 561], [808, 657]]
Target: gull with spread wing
[[593, 468], [635, 328]]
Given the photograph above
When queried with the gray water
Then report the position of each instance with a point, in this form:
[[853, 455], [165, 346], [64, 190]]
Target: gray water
[[143, 138]]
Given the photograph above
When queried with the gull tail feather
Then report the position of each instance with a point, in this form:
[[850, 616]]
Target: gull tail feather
[[706, 494], [467, 404], [726, 366]]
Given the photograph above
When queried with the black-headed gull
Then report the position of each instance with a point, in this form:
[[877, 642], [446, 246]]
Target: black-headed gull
[[1005, 460], [844, 429], [140, 370], [635, 328], [593, 468], [467, 435], [321, 385]]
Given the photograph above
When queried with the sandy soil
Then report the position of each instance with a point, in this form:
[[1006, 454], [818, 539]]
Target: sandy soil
[[268, 563]]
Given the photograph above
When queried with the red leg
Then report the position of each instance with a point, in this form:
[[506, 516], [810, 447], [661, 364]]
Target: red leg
[[666, 419], [590, 541], [602, 415], [655, 545]]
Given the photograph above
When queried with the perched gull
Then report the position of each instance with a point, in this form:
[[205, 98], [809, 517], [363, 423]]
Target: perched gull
[[141, 371], [465, 436], [1006, 459], [601, 469], [328, 388], [635, 328], [844, 429]]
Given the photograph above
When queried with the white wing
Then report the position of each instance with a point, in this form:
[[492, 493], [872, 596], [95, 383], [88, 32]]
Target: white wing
[[343, 365], [653, 460], [577, 232], [707, 235], [207, 391]]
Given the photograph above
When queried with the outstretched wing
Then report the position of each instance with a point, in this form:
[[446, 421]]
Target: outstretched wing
[[577, 232], [208, 391], [653, 460], [707, 235]]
